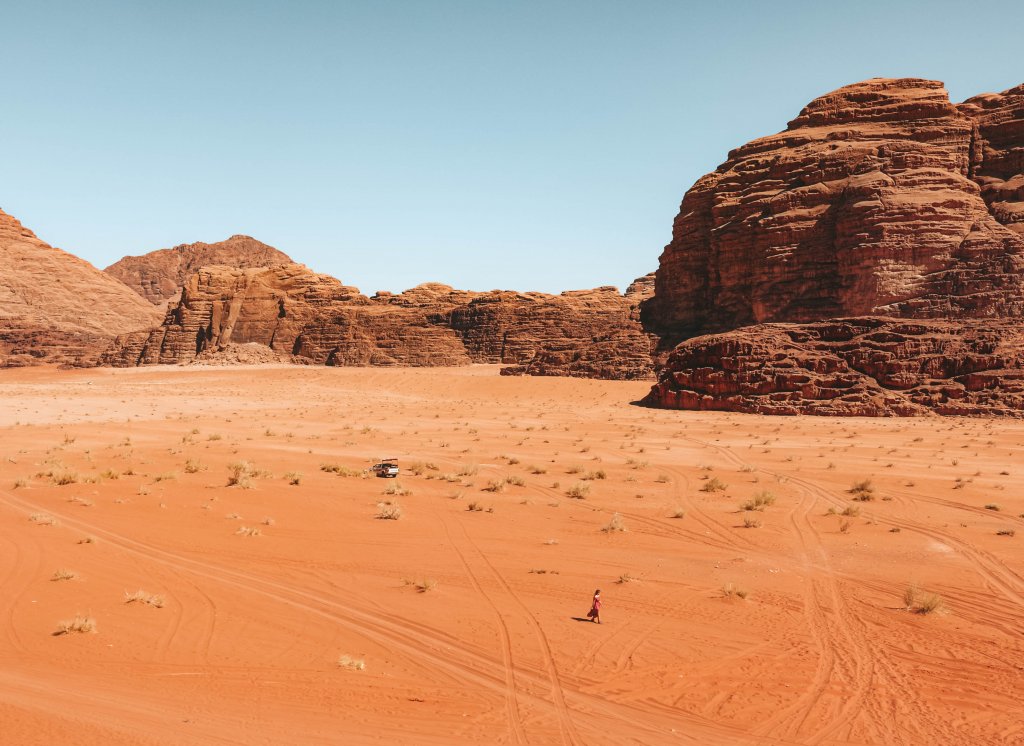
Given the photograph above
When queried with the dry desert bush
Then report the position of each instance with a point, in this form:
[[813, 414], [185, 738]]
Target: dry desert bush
[[678, 513], [63, 574], [352, 664], [578, 491], [751, 522], [730, 590], [43, 519], [143, 597], [62, 478], [193, 466], [862, 490], [614, 525], [294, 478], [249, 531], [396, 488], [921, 603], [714, 484], [341, 471], [389, 510], [759, 501], [421, 586], [240, 474], [78, 624]]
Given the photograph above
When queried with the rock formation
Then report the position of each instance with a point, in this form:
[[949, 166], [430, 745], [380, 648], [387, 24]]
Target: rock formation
[[880, 199], [865, 366], [55, 307], [159, 275], [314, 318]]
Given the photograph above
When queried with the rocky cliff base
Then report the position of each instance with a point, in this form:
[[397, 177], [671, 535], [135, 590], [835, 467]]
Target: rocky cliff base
[[851, 367]]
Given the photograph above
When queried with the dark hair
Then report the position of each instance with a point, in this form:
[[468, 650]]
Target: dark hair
[[597, 591]]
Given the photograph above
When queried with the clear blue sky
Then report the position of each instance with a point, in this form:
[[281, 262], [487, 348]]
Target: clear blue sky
[[523, 145]]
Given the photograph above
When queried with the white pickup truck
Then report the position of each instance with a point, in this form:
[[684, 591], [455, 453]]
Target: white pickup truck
[[387, 468]]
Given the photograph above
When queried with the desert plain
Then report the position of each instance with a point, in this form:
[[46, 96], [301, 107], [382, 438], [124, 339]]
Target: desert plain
[[766, 580]]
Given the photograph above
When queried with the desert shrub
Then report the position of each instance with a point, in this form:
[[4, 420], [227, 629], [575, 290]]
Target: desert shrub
[[240, 474], [730, 590], [992, 506], [352, 664], [1006, 532], [627, 578], [515, 481], [750, 521], [78, 624], [614, 525], [578, 491], [862, 490], [421, 586], [851, 510], [929, 603], [844, 526], [536, 469], [341, 471], [193, 466], [63, 574], [396, 488], [474, 507], [141, 596], [678, 513], [495, 485], [759, 501], [389, 510], [110, 474], [165, 477], [62, 478], [249, 531], [43, 519], [294, 478], [467, 470], [714, 484]]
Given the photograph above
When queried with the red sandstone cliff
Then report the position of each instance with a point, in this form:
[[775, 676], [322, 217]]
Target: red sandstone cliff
[[881, 198], [159, 275], [313, 318], [55, 307]]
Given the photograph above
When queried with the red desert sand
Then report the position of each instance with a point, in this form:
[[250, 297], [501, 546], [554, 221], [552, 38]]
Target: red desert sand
[[764, 580]]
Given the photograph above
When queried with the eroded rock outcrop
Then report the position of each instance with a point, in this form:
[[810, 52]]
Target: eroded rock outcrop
[[315, 319], [880, 199], [859, 366], [159, 275], [55, 307]]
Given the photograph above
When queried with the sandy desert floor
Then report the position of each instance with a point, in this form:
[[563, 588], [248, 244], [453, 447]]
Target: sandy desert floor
[[785, 625]]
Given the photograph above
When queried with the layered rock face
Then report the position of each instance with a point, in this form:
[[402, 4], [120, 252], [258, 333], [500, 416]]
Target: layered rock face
[[864, 205], [860, 366], [159, 275], [998, 156], [880, 199], [55, 307], [314, 318]]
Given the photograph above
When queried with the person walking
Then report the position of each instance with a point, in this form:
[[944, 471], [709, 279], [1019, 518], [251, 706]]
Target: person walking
[[595, 608]]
